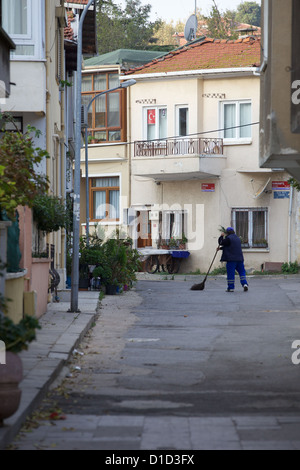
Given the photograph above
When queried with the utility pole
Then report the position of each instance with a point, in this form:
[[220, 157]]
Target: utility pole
[[76, 196]]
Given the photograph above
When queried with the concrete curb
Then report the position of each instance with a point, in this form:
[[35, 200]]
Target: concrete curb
[[61, 333]]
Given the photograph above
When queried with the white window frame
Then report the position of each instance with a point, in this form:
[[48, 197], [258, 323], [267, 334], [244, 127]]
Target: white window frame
[[250, 211], [179, 225], [35, 35], [145, 122], [237, 139], [27, 36], [177, 119]]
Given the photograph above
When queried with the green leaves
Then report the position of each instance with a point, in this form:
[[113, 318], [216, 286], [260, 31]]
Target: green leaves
[[18, 336], [49, 213], [20, 180]]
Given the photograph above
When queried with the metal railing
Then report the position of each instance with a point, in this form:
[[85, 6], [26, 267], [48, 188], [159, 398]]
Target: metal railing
[[183, 146]]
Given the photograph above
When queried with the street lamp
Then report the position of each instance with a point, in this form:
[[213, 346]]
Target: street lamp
[[76, 196], [125, 84]]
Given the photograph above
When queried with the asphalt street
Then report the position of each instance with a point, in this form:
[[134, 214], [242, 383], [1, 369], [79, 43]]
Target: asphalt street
[[165, 367]]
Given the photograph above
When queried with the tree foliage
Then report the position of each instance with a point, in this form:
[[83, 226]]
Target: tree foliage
[[20, 181], [128, 28], [249, 12], [221, 26]]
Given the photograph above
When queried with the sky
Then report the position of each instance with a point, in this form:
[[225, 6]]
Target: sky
[[181, 9]]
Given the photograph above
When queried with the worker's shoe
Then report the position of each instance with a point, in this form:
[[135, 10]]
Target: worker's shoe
[[245, 288], [229, 290]]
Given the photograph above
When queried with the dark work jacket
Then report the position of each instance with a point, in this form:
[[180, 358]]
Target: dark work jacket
[[231, 248]]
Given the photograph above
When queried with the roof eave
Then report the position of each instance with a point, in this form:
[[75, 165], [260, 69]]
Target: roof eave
[[202, 73]]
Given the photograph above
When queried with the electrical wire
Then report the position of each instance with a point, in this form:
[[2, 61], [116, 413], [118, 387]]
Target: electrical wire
[[194, 134]]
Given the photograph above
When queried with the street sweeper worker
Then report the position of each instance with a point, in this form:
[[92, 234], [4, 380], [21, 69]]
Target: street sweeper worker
[[231, 247]]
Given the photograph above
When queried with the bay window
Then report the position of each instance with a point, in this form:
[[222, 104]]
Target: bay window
[[22, 20], [106, 117]]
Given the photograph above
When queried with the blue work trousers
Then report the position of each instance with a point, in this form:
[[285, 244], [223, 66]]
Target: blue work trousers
[[233, 266]]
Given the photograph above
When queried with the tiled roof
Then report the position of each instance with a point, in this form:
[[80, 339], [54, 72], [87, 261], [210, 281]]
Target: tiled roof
[[207, 54], [68, 31]]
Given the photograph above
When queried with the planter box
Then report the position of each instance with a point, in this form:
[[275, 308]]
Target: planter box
[[40, 283], [14, 290]]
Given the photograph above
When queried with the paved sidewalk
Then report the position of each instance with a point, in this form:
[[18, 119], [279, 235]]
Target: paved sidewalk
[[61, 332]]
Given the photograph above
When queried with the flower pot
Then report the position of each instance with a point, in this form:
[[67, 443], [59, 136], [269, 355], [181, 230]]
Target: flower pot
[[111, 290], [84, 284], [11, 375]]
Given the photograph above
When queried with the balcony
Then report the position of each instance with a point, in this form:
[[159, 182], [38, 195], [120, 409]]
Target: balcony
[[179, 159]]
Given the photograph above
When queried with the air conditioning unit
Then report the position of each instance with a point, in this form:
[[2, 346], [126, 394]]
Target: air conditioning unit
[[84, 117]]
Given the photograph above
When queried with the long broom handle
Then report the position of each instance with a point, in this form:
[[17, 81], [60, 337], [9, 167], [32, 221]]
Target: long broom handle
[[212, 262]]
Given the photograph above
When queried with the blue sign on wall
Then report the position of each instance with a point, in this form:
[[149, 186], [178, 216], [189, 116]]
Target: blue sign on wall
[[281, 194]]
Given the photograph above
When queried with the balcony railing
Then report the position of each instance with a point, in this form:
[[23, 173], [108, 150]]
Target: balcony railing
[[171, 147]]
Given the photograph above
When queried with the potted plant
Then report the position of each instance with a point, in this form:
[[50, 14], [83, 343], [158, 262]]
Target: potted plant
[[182, 242], [16, 337], [173, 244]]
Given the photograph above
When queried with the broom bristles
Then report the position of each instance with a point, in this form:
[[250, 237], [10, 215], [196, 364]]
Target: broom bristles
[[198, 286]]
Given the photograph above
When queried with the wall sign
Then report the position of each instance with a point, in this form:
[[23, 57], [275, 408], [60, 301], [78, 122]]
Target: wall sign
[[280, 185], [208, 187], [281, 194]]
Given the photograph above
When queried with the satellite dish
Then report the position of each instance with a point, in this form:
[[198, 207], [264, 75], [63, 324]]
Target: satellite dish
[[262, 189], [190, 29]]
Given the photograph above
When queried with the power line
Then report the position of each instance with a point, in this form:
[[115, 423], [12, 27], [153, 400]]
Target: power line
[[198, 133]]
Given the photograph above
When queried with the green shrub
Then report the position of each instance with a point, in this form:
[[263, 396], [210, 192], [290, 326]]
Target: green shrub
[[290, 268]]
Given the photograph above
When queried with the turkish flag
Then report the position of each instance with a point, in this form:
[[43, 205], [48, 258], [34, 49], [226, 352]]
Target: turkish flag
[[151, 116]]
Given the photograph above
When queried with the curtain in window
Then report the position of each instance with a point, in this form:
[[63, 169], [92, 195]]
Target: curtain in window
[[99, 204], [245, 118], [165, 233], [14, 16], [113, 80], [163, 124], [100, 108], [229, 121], [242, 226], [258, 227], [100, 82], [177, 226], [113, 110], [105, 182], [86, 84], [114, 205]]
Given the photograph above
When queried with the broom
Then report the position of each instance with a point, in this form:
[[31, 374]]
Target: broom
[[202, 284]]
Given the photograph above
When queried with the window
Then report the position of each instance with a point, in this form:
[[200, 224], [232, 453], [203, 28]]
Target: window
[[106, 116], [173, 225], [182, 121], [236, 118], [24, 28], [251, 225], [16, 18], [155, 120], [105, 198]]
